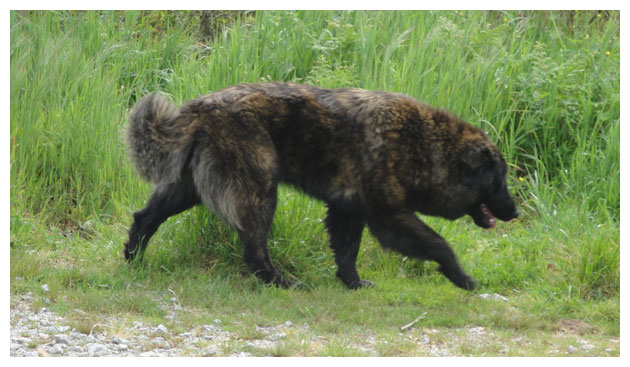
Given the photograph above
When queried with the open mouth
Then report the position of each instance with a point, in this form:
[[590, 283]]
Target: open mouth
[[484, 217]]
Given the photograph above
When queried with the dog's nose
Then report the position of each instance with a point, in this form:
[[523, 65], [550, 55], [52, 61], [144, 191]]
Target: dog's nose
[[515, 213]]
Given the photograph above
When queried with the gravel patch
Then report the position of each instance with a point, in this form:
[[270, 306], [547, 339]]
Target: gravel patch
[[42, 333], [45, 334]]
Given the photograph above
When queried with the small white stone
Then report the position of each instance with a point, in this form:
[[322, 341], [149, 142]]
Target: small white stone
[[75, 350], [118, 340], [56, 349], [160, 343], [62, 339], [210, 350], [162, 329], [97, 350], [22, 340], [494, 297]]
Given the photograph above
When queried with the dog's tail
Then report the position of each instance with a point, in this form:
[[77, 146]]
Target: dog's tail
[[159, 140]]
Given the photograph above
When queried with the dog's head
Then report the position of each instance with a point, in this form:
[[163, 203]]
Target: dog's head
[[484, 170]]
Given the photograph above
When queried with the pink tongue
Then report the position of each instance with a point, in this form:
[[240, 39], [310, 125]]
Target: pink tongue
[[488, 213]]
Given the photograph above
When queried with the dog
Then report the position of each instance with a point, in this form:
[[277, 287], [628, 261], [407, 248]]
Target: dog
[[375, 159]]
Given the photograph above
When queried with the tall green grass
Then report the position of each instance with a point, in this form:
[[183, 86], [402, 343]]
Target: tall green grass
[[545, 85]]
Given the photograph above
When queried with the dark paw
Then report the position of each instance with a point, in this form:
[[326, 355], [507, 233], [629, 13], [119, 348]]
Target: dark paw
[[288, 284], [455, 274], [277, 280], [363, 283], [356, 284], [128, 255], [468, 283], [132, 255]]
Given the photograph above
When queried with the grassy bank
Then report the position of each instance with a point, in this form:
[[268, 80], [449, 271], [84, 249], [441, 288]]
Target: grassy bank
[[545, 85]]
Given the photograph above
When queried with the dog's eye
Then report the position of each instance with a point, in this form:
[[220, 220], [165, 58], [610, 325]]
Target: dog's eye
[[498, 184]]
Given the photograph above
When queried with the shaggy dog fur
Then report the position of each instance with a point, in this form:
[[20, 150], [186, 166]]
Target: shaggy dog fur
[[374, 158]]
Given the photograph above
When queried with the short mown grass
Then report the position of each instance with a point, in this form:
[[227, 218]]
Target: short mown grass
[[545, 85]]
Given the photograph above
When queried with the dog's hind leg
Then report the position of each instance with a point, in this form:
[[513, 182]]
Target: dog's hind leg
[[256, 216], [345, 230], [241, 187], [251, 212], [403, 232], [165, 201]]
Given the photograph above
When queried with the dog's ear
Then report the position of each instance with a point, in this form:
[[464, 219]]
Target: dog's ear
[[470, 174], [475, 166]]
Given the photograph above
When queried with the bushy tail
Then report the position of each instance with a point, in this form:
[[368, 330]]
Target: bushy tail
[[159, 141]]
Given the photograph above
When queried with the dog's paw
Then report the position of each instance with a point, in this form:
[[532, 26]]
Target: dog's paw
[[469, 284], [361, 283]]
